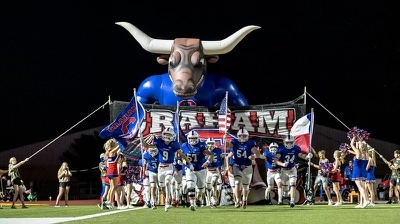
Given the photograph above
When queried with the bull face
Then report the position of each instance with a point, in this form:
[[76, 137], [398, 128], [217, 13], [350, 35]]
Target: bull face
[[187, 66], [187, 56]]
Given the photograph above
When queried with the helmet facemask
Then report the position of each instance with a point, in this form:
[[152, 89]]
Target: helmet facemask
[[153, 151], [168, 135], [273, 148], [210, 143], [243, 135], [193, 138], [289, 142]]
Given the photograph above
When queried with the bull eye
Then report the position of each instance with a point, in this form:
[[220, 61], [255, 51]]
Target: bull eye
[[202, 62], [197, 59], [174, 59]]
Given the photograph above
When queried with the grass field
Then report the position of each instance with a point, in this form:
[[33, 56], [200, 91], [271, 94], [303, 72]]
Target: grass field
[[320, 213]]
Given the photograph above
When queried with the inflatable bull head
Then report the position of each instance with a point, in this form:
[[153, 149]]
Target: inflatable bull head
[[187, 57]]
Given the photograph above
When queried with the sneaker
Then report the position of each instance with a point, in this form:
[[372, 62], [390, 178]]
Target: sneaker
[[338, 204], [365, 204], [193, 208], [131, 206], [24, 206], [167, 206], [330, 202], [153, 207], [267, 196], [291, 204], [358, 206], [109, 205], [244, 204], [13, 207], [57, 206], [371, 204], [389, 202], [237, 205], [66, 206], [103, 206]]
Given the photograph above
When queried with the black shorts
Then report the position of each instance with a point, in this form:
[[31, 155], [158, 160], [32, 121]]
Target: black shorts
[[17, 181], [63, 184]]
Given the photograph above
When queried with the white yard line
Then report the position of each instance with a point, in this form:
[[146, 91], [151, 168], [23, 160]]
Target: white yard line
[[58, 220]]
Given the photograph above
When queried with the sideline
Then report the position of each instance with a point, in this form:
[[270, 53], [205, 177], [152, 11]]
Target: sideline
[[58, 220]]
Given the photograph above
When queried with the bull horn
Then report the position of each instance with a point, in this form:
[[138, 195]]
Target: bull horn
[[226, 45], [160, 46], [151, 45]]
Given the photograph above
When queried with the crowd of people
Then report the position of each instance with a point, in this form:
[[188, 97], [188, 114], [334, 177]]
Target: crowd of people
[[358, 175], [14, 189], [192, 172]]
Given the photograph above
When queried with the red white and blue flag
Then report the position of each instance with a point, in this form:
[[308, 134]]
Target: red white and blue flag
[[224, 116], [126, 125], [302, 132]]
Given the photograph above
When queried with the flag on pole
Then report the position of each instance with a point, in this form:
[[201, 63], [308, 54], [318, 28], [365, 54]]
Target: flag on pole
[[224, 116], [176, 123], [302, 132], [126, 125]]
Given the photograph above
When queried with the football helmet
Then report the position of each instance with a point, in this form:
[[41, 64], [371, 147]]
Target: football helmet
[[153, 151], [210, 142], [193, 137], [273, 147], [243, 135], [288, 142], [168, 135], [102, 157]]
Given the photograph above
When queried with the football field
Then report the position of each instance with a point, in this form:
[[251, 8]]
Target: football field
[[319, 213]]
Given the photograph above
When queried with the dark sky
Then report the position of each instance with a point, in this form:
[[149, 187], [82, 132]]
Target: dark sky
[[60, 60]]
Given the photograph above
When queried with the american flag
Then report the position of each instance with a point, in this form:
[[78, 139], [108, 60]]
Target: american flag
[[224, 116]]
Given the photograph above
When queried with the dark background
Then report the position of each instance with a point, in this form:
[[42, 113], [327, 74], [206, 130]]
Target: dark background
[[61, 60]]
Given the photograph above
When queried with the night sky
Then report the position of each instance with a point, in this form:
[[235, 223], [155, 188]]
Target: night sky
[[61, 60]]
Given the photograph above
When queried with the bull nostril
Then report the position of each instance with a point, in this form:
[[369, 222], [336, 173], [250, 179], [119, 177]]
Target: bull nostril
[[189, 86]]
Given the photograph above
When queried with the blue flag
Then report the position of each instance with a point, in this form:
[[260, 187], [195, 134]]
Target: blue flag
[[126, 125]]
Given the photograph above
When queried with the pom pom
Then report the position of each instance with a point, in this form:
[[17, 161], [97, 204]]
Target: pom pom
[[326, 168], [360, 134], [344, 148]]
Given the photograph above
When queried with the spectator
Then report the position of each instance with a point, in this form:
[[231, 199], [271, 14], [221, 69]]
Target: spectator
[[394, 165], [335, 176], [64, 176], [322, 177], [16, 181], [347, 174], [371, 165], [112, 149], [359, 175], [105, 182], [23, 188]]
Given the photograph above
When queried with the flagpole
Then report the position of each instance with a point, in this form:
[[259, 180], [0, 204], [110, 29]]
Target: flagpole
[[226, 106], [177, 123], [309, 190], [140, 124]]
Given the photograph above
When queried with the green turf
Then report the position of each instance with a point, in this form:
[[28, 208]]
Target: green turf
[[381, 213]]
